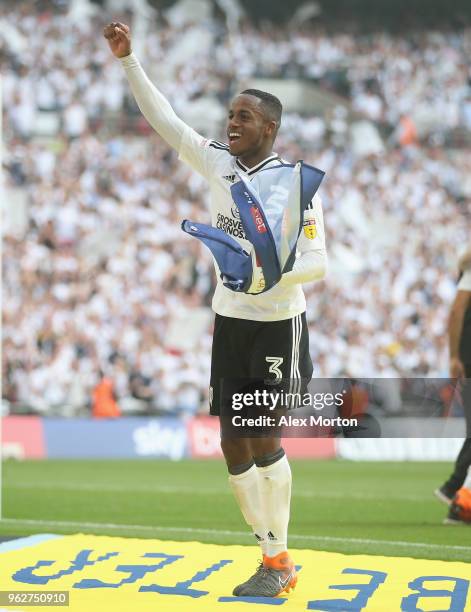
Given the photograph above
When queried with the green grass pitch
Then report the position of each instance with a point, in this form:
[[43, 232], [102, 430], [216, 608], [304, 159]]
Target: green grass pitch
[[371, 508]]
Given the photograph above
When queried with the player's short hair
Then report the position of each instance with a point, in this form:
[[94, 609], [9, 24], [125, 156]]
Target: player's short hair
[[271, 105]]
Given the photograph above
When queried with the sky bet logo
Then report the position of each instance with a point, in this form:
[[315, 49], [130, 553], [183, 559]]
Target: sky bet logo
[[249, 197], [258, 220]]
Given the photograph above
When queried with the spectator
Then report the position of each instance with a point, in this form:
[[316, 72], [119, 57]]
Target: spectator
[[104, 402]]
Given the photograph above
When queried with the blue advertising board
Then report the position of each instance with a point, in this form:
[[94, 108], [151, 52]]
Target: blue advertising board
[[163, 437]]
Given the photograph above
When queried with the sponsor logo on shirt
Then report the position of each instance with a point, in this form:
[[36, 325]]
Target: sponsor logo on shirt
[[230, 226], [235, 212]]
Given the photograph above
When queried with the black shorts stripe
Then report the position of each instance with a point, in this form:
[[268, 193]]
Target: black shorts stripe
[[295, 375]]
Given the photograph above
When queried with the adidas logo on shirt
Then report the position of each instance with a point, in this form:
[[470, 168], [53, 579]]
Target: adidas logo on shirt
[[230, 177]]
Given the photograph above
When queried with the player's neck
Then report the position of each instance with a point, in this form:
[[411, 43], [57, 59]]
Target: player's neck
[[252, 160]]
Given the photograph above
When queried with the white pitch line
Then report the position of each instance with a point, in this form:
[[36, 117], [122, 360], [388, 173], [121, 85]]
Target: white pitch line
[[225, 532], [208, 491]]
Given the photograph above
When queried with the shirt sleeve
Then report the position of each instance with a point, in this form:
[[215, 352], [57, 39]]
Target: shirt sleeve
[[192, 148], [465, 281], [311, 262], [199, 152]]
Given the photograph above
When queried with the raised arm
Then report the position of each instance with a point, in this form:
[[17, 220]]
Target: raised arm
[[153, 105]]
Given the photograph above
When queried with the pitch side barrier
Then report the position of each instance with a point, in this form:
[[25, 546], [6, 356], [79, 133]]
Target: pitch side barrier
[[358, 419], [32, 437], [346, 407]]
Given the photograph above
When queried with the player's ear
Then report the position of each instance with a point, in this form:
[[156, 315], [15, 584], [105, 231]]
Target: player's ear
[[270, 128]]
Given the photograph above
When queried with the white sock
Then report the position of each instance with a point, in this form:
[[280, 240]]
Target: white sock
[[246, 487], [275, 491]]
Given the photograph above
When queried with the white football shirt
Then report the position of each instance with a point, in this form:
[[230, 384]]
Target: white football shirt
[[213, 161]]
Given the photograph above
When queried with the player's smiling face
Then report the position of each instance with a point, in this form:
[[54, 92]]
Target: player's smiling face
[[248, 129]]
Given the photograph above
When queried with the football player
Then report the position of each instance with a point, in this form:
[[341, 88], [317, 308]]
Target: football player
[[255, 336]]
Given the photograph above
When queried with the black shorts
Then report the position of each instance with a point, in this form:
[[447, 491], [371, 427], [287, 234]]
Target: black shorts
[[259, 350]]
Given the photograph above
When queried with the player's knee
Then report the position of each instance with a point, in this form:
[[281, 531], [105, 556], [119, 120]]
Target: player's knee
[[236, 453], [268, 458], [265, 449]]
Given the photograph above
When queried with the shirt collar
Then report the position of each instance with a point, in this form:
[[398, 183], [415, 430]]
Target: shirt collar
[[259, 166]]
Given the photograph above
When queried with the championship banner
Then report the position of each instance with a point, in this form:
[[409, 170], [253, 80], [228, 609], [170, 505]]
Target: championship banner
[[108, 574], [271, 209], [282, 193]]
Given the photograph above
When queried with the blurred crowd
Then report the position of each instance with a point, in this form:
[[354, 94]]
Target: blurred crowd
[[426, 74], [53, 62], [97, 276]]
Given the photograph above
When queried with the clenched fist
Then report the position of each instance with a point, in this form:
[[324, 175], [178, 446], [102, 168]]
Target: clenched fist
[[119, 38]]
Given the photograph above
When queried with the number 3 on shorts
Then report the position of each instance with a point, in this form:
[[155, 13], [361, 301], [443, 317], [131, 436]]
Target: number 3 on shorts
[[275, 366]]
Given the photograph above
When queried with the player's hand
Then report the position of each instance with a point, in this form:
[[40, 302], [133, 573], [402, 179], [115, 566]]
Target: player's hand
[[118, 36], [456, 368]]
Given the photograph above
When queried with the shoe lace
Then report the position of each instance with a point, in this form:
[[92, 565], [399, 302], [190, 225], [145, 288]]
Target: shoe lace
[[261, 569]]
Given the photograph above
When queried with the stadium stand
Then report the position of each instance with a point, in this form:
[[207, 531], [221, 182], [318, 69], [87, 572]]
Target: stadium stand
[[96, 271]]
